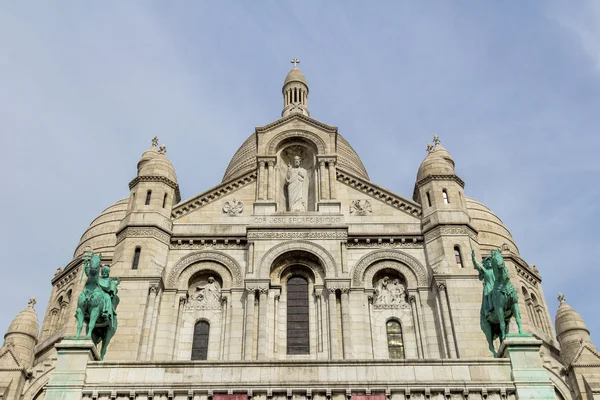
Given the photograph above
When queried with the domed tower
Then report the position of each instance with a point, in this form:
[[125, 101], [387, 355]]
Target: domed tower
[[22, 335], [141, 251], [295, 92], [577, 352], [440, 192]]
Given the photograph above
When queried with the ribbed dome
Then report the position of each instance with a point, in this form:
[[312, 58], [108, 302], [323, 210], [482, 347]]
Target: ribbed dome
[[158, 166], [568, 319], [26, 322], [295, 75], [244, 159], [492, 232], [437, 162], [101, 234]]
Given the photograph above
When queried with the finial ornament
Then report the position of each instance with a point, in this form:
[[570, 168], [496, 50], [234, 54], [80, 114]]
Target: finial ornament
[[429, 148], [31, 302], [295, 61], [162, 149], [561, 297], [436, 140]]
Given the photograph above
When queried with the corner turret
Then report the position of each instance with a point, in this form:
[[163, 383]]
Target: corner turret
[[22, 335], [571, 331]]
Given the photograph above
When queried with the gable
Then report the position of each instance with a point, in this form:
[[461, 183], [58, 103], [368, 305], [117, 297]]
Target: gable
[[8, 360], [586, 355]]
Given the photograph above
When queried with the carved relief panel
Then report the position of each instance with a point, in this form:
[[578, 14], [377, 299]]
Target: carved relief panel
[[204, 291]]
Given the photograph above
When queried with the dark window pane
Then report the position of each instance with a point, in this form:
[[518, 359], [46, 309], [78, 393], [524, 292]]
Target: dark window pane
[[136, 258], [148, 196], [395, 342], [200, 343], [297, 316]]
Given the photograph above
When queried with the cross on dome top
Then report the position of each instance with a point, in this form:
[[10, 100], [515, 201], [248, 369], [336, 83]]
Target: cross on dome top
[[32, 302], [295, 61]]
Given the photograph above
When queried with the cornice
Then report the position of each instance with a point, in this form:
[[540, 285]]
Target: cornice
[[379, 193], [430, 178], [161, 179], [284, 120], [213, 194]]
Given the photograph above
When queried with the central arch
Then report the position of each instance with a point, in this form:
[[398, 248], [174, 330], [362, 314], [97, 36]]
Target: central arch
[[326, 259]]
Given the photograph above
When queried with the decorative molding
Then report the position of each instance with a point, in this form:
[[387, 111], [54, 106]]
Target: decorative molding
[[407, 265], [67, 279], [379, 193], [327, 261], [430, 178], [206, 255], [150, 232], [160, 179], [304, 118], [204, 244], [439, 231], [213, 194], [154, 288], [233, 208], [296, 133], [381, 243], [441, 287], [300, 234], [360, 207], [522, 272]]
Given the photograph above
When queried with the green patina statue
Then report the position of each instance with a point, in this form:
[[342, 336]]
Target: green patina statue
[[500, 301], [98, 302]]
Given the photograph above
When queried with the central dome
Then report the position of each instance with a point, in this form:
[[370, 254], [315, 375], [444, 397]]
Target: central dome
[[244, 160]]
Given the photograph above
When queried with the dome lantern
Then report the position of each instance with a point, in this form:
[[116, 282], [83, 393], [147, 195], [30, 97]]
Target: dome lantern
[[295, 92]]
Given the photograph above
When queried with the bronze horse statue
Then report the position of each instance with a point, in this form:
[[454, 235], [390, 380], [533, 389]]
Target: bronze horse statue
[[97, 302], [500, 299]]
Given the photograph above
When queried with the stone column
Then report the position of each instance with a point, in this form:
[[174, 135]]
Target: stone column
[[68, 378], [152, 335], [319, 321], [250, 257], [236, 319], [421, 324], [262, 323], [413, 307], [531, 379], [271, 180], [332, 180], [248, 345], [447, 323], [182, 301], [152, 292], [346, 328], [323, 179], [333, 333], [261, 180]]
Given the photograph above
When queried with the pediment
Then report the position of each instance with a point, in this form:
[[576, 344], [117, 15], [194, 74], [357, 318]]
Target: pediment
[[374, 193], [297, 120], [8, 359], [586, 355]]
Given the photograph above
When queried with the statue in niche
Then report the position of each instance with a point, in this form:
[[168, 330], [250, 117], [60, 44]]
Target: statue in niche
[[390, 294], [296, 180], [207, 296]]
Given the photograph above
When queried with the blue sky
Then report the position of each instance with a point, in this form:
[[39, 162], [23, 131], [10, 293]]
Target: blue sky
[[512, 88]]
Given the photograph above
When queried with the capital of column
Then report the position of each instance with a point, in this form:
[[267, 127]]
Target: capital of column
[[441, 287], [412, 298], [267, 160], [331, 159], [182, 300], [153, 289]]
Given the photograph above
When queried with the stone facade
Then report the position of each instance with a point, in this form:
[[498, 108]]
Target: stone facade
[[370, 260]]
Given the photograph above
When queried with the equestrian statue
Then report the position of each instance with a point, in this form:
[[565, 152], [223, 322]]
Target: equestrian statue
[[500, 301], [98, 302]]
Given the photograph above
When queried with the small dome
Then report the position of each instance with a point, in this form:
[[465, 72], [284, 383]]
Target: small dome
[[437, 162], [492, 232], [158, 166], [26, 322], [101, 234], [295, 75], [567, 319]]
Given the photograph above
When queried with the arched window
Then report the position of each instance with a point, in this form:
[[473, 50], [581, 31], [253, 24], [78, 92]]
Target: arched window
[[394, 337], [297, 316], [148, 196], [136, 258], [428, 199], [200, 343], [457, 257], [445, 196], [165, 200]]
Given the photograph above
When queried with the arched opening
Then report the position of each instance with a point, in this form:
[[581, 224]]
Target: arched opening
[[148, 197], [458, 257], [298, 335], [395, 340], [200, 341], [164, 200], [136, 258], [445, 196], [428, 199]]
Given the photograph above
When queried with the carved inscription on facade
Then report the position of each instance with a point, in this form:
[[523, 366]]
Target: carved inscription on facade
[[298, 220], [325, 234]]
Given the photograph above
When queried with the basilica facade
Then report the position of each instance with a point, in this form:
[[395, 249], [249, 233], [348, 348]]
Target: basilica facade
[[298, 277]]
